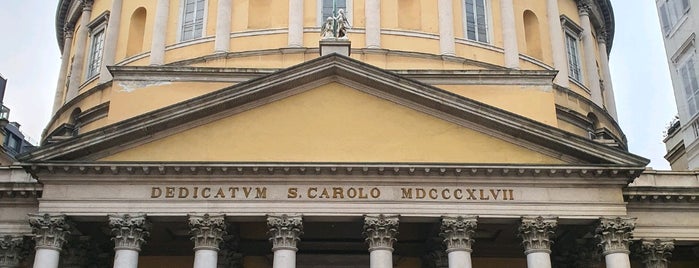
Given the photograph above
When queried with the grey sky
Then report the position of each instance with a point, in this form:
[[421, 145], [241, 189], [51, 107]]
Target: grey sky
[[30, 59]]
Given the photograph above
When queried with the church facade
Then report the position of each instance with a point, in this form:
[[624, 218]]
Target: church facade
[[346, 133]]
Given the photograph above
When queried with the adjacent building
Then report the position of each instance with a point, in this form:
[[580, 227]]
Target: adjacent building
[[449, 133]]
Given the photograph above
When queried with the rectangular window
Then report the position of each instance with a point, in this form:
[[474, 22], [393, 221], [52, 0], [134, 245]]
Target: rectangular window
[[327, 10], [574, 68], [671, 12], [688, 74], [476, 27], [192, 19], [95, 58]]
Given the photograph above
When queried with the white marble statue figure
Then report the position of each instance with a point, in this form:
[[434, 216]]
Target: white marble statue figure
[[342, 24], [328, 31]]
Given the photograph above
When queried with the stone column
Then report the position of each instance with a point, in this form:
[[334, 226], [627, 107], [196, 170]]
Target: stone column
[[76, 71], [614, 235], [509, 34], [558, 49], [608, 89], [63, 73], [458, 238], [11, 251], [157, 49], [372, 10], [111, 38], [285, 231], [222, 42], [296, 23], [536, 238], [591, 72], [129, 231], [447, 44], [207, 233], [50, 233], [381, 232], [656, 252]]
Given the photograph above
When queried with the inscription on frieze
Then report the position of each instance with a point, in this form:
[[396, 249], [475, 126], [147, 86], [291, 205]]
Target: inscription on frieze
[[332, 192]]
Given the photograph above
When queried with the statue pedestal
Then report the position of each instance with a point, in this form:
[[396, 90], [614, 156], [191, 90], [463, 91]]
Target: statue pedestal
[[334, 45]]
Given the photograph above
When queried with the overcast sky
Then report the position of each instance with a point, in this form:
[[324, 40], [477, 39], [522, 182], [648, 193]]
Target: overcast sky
[[30, 60]]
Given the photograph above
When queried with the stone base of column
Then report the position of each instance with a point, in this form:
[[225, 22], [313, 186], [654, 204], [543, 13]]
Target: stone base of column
[[617, 260], [125, 258], [46, 258], [284, 258], [381, 258], [539, 260], [339, 46], [205, 258], [460, 259]]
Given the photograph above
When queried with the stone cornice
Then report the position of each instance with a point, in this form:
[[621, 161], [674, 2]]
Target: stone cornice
[[661, 194], [187, 169], [20, 190]]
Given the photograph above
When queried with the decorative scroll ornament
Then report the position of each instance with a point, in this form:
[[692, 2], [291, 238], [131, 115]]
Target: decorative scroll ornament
[[207, 231], [284, 231], [49, 231], [655, 253], [129, 231], [380, 231], [536, 233], [11, 250], [458, 232], [614, 234]]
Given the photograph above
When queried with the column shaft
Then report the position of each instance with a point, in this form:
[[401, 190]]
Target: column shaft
[[560, 60], [285, 232], [295, 23], [538, 260], [46, 258], [590, 59], [111, 39], [284, 258], [125, 258], [373, 23], [76, 72], [617, 260], [62, 75], [381, 258], [223, 27], [459, 259], [509, 34], [608, 89], [447, 44], [205, 258], [157, 50]]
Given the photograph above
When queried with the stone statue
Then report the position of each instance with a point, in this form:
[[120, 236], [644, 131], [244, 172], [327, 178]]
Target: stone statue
[[328, 31], [342, 24]]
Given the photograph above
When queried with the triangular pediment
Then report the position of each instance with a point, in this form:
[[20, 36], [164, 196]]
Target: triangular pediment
[[333, 109]]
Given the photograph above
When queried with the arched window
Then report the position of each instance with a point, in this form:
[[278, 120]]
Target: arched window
[[532, 34], [137, 28]]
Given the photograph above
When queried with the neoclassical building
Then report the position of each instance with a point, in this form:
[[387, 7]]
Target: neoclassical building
[[448, 133]]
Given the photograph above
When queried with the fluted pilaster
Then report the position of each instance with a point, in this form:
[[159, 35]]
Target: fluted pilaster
[[129, 231], [655, 253]]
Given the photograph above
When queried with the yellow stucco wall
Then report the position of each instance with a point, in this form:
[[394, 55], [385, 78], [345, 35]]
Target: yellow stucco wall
[[324, 124]]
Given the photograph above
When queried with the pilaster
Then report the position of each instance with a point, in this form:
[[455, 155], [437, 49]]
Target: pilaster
[[536, 233], [207, 231], [129, 231], [655, 253], [380, 231]]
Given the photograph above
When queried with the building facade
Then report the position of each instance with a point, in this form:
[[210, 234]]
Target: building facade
[[680, 20], [449, 133]]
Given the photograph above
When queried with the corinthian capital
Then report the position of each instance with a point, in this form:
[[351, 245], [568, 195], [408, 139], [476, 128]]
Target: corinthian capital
[[11, 250], [458, 232], [583, 7], [49, 231], [380, 231], [614, 234], [129, 230], [87, 4], [656, 252], [207, 230], [536, 233], [284, 231]]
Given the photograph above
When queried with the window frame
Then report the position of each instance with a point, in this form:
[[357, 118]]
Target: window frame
[[488, 22], [349, 11], [181, 22], [98, 27], [570, 29], [689, 56], [672, 13]]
